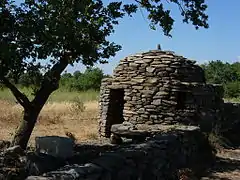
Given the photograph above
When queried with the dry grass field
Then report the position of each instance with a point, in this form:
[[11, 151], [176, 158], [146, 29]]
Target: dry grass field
[[57, 117]]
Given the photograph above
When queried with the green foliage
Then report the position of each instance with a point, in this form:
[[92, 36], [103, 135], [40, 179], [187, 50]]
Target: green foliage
[[226, 74], [32, 77], [90, 79], [191, 10], [67, 31], [61, 95], [236, 68], [232, 89], [219, 72], [46, 29]]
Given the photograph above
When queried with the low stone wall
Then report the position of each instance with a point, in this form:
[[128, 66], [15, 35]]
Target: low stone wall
[[229, 125], [159, 157]]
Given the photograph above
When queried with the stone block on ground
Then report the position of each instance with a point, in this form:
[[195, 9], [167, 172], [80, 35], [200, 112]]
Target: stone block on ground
[[38, 164], [160, 157], [60, 147]]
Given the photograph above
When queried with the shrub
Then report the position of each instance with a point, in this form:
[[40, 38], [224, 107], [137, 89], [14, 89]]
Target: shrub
[[232, 89], [89, 80], [77, 105]]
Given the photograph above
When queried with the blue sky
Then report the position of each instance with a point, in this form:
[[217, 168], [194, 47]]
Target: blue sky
[[220, 42]]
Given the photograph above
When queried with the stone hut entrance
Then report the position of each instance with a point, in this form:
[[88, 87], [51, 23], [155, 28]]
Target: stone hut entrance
[[112, 108], [116, 105]]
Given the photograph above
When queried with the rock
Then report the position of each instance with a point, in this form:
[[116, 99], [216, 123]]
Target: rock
[[162, 93], [59, 147], [150, 69], [38, 164], [129, 132], [115, 139], [157, 102], [158, 157], [4, 144], [39, 178], [152, 80], [138, 80], [15, 150], [13, 163]]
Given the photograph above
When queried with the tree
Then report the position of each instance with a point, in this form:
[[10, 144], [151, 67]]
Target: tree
[[91, 79], [232, 89], [77, 74], [67, 31], [219, 72], [32, 77], [236, 68], [65, 78], [226, 74]]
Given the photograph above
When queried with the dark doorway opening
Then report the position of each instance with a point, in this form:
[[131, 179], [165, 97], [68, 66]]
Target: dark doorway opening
[[181, 98], [115, 110]]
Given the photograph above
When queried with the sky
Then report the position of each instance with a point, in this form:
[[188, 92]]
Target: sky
[[220, 42]]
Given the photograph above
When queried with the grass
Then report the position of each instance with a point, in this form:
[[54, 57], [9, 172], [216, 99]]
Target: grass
[[233, 100], [74, 112], [60, 95]]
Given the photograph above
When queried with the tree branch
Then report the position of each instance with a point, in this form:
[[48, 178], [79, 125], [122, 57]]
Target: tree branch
[[51, 80], [144, 3], [181, 9], [20, 97]]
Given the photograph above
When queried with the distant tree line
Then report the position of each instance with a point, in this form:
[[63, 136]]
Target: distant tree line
[[226, 74], [90, 79], [216, 72]]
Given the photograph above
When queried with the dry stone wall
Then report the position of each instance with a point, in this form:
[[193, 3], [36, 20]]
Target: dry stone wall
[[158, 158], [160, 87], [228, 126]]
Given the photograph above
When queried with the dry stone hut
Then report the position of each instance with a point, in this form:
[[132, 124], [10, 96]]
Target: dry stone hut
[[156, 87]]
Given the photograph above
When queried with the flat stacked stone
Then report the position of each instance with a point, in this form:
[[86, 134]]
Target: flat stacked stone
[[160, 87]]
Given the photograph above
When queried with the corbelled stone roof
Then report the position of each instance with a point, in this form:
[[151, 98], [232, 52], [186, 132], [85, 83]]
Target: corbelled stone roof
[[165, 66]]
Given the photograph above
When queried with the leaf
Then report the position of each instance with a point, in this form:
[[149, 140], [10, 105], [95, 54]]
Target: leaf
[[41, 30]]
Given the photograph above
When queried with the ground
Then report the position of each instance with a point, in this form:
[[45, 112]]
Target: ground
[[78, 114], [227, 166]]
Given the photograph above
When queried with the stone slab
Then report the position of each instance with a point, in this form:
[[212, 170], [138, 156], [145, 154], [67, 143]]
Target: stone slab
[[61, 147]]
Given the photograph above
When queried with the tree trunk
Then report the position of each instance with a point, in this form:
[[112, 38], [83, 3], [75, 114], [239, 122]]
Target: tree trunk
[[33, 108], [31, 113], [25, 128]]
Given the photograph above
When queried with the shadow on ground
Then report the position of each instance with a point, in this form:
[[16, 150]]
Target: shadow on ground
[[226, 167]]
